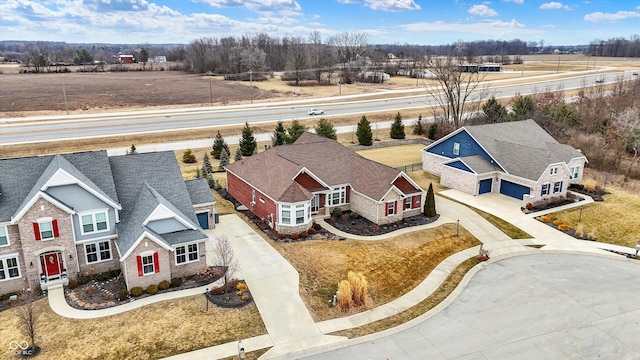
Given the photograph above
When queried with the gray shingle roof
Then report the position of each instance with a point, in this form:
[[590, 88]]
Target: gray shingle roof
[[199, 191], [479, 164], [143, 181], [272, 171], [522, 148], [21, 178]]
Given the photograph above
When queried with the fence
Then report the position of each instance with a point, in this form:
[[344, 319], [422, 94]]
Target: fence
[[410, 167]]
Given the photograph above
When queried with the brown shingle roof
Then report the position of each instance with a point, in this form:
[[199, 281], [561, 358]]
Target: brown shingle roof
[[273, 171]]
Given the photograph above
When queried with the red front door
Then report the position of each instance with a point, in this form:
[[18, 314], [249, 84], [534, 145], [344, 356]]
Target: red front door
[[51, 264]]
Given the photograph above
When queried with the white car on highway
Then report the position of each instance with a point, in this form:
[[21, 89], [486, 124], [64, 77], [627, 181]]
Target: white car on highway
[[316, 111]]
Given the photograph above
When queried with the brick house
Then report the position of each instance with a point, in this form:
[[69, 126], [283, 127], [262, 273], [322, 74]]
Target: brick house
[[287, 184], [85, 213], [517, 159]]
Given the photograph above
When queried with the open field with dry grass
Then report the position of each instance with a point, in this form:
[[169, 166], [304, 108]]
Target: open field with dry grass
[[154, 331], [392, 267]]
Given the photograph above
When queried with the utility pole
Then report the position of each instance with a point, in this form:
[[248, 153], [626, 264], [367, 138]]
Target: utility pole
[[251, 84], [64, 94]]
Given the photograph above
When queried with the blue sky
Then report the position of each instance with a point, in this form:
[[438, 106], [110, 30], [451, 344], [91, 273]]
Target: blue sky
[[385, 21]]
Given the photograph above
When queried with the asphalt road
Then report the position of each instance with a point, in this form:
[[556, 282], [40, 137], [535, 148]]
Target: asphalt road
[[13, 131], [548, 306]]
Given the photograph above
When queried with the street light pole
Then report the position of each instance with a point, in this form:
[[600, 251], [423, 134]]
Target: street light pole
[[457, 228], [206, 299]]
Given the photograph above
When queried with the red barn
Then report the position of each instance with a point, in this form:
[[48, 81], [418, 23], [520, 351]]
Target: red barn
[[126, 59]]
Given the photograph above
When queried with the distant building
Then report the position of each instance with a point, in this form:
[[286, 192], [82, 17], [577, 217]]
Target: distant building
[[486, 67], [126, 59]]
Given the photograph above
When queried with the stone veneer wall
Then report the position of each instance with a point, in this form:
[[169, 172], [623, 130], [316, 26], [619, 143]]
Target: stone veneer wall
[[131, 267], [97, 267], [182, 270], [459, 180]]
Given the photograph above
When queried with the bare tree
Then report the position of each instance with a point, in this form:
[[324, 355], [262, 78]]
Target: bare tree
[[456, 90], [200, 53], [320, 57], [226, 258], [350, 49], [28, 316], [38, 55], [298, 58]]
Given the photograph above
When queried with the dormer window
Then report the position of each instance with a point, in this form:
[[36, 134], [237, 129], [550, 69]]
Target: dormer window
[[456, 148]]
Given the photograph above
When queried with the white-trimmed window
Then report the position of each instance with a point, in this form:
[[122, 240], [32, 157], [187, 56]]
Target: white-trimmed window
[[94, 222], [574, 172], [45, 229], [546, 189], [187, 253], [98, 251], [407, 203], [300, 214], [338, 195], [148, 263], [554, 170], [391, 208], [9, 267], [557, 187], [285, 214], [456, 148], [4, 236]]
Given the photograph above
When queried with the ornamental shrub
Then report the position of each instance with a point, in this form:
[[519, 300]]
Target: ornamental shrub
[[558, 222], [312, 231], [564, 227], [122, 294], [304, 234], [175, 282], [354, 215], [242, 286], [547, 218], [293, 236], [152, 289], [336, 213], [245, 297], [164, 285], [72, 284], [136, 291]]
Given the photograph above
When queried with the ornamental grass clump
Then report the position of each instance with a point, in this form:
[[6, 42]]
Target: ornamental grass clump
[[547, 218], [590, 184], [358, 285], [344, 295], [564, 227]]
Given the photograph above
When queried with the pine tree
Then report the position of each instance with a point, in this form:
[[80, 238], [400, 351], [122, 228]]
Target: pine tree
[[325, 128], [238, 155], [279, 136], [493, 111], [523, 107], [218, 144], [418, 126], [363, 132], [397, 128], [294, 131], [248, 144], [188, 157], [430, 203], [224, 159], [198, 173], [206, 165]]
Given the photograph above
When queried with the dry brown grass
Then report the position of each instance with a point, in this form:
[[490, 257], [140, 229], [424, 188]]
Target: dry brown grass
[[392, 267], [395, 156], [154, 331], [422, 307]]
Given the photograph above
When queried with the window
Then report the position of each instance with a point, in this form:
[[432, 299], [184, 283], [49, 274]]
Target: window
[[557, 187], [300, 214], [94, 222], [456, 148], [545, 189], [9, 268], [286, 214], [253, 196], [339, 195], [147, 265], [407, 203], [97, 252], [554, 170], [574, 172], [391, 208], [4, 236], [186, 254], [45, 229]]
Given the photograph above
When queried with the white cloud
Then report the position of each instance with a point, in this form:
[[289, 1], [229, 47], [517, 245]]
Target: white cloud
[[494, 28], [386, 5], [554, 5], [515, 1], [482, 10], [612, 17], [257, 5]]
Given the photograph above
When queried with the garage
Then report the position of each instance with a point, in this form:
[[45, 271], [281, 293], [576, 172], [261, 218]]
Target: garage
[[512, 189], [203, 220], [485, 186]]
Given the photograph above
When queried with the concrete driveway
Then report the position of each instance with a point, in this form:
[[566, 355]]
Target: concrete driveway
[[547, 306]]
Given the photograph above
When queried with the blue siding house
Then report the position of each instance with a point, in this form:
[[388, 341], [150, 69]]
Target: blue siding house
[[518, 159]]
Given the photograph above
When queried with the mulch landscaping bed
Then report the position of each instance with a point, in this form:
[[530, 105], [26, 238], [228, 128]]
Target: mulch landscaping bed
[[97, 294], [228, 295], [363, 227]]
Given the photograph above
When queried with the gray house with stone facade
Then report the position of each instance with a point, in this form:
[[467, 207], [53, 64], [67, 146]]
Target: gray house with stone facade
[[289, 184], [85, 213], [518, 159]]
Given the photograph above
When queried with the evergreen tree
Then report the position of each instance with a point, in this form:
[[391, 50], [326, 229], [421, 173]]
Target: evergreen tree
[[363, 132], [430, 203], [397, 128], [248, 144], [279, 136], [523, 107], [218, 145], [418, 126], [433, 131], [206, 165], [325, 128], [188, 157], [238, 155], [493, 111], [224, 159], [198, 173], [211, 181], [294, 131]]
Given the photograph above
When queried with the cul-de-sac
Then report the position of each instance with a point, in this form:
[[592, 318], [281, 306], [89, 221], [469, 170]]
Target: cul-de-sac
[[297, 180]]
